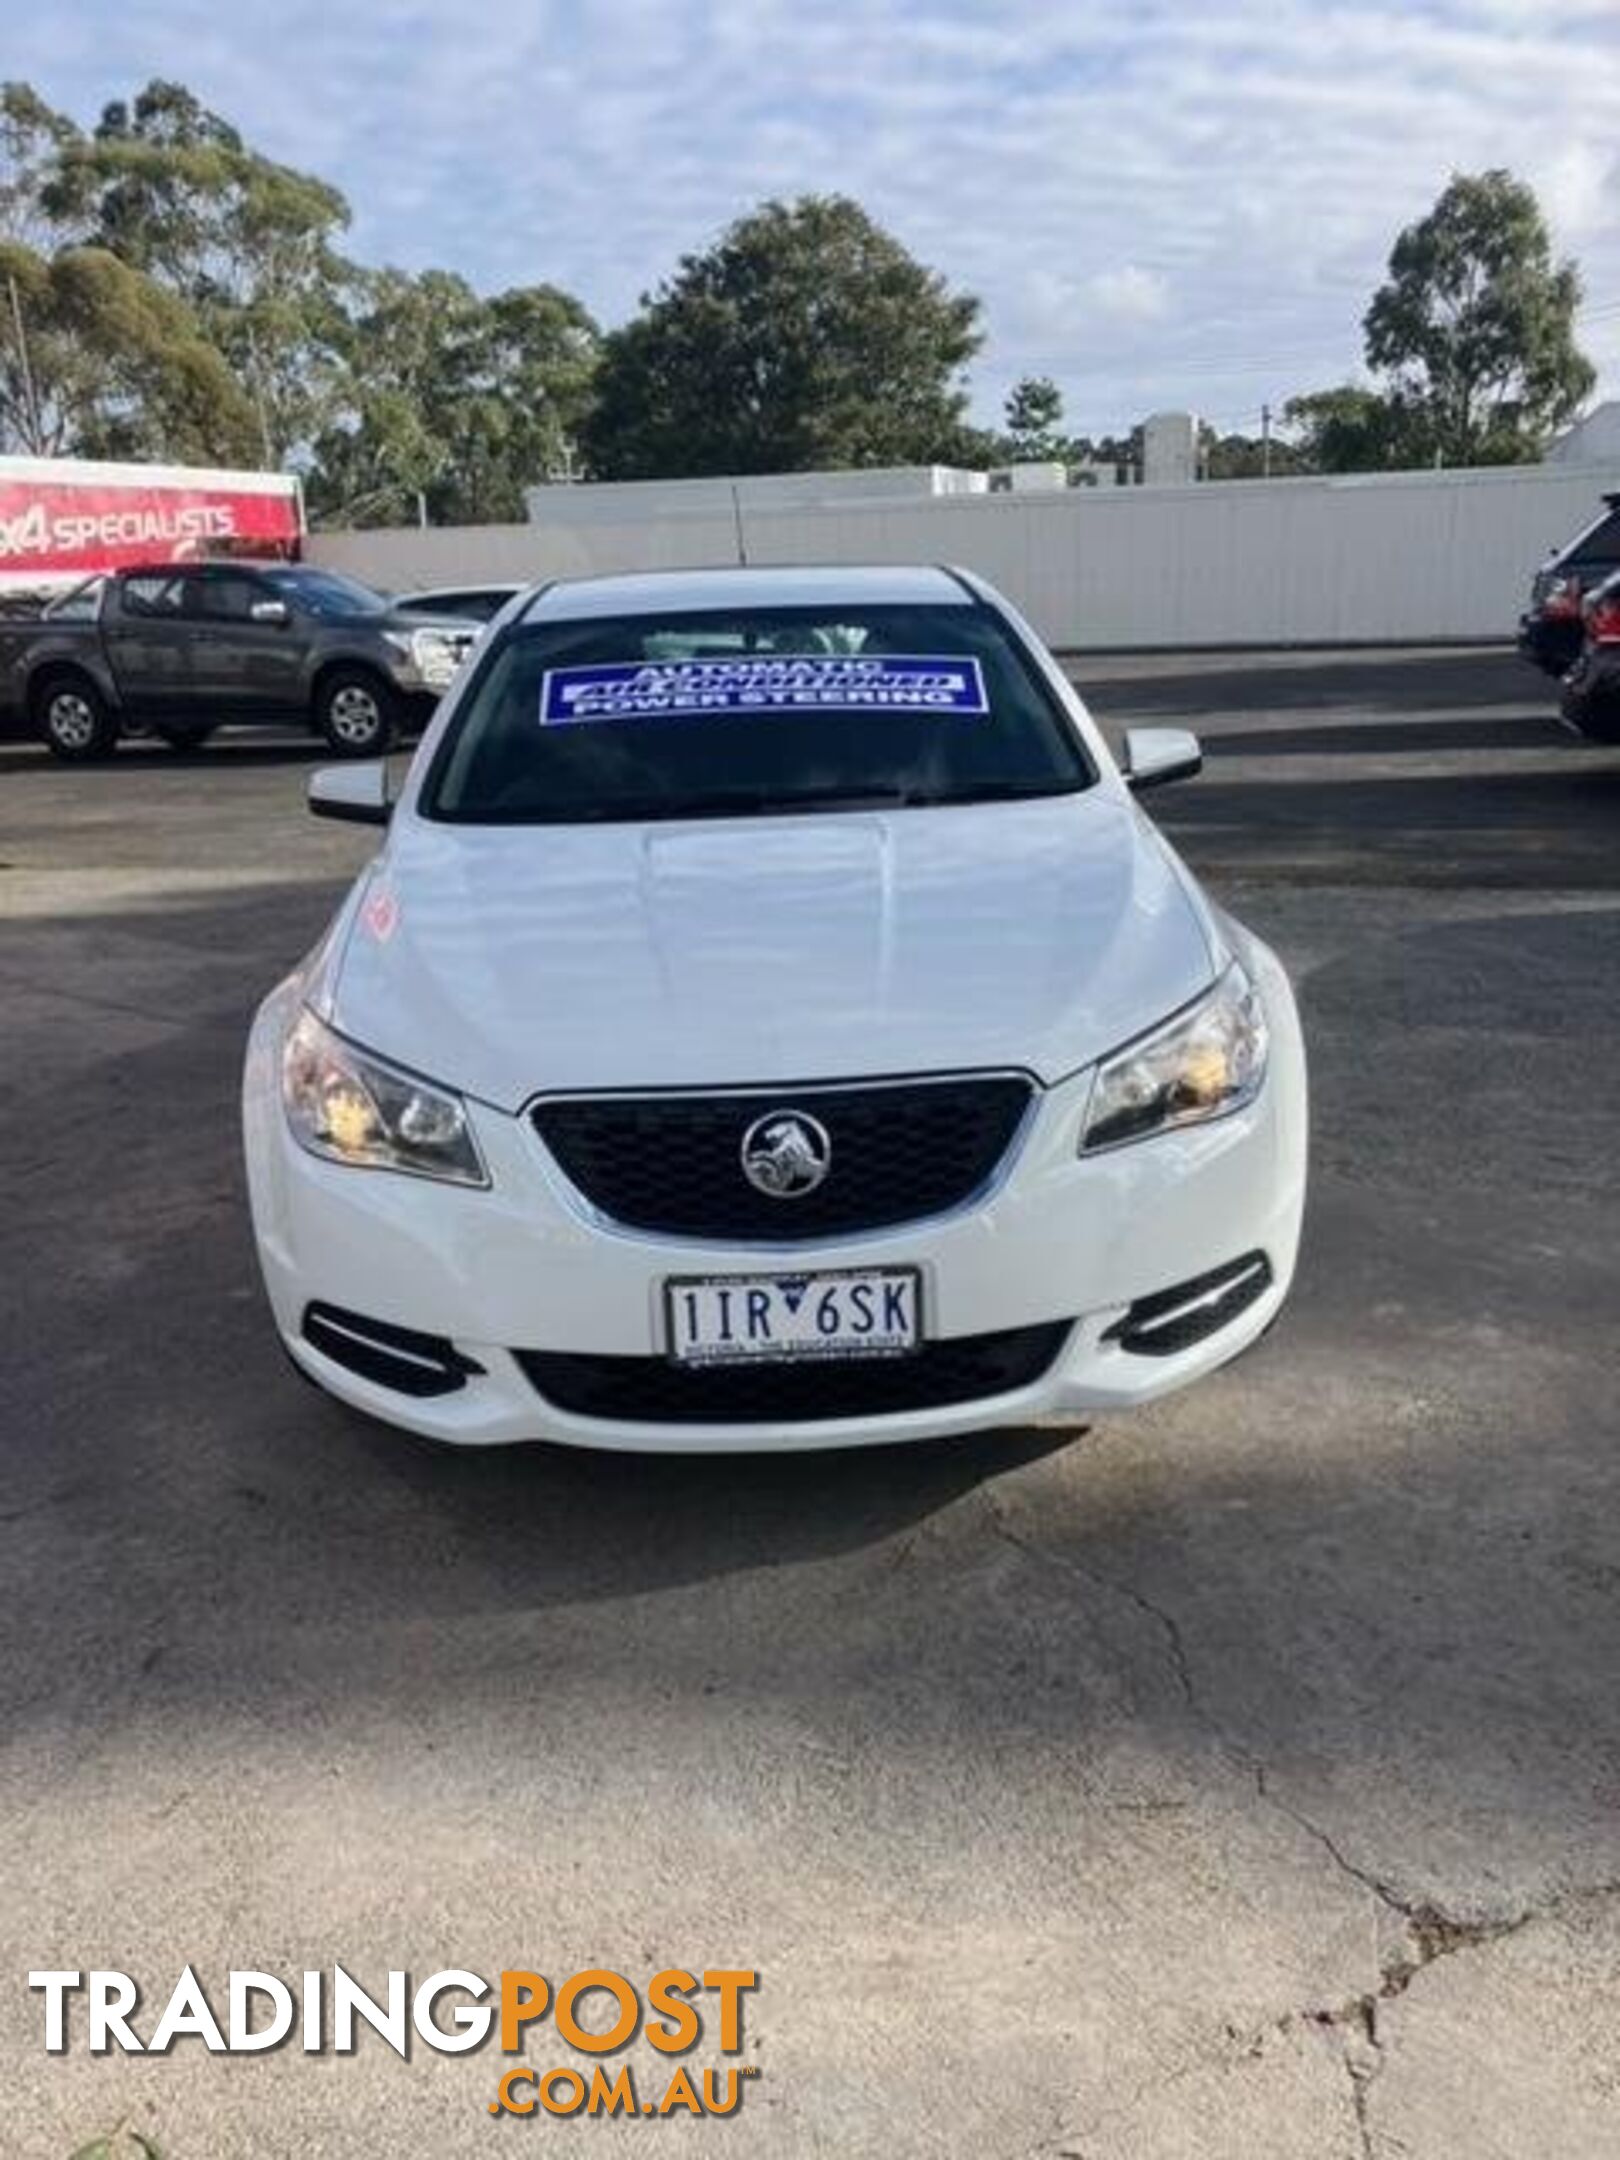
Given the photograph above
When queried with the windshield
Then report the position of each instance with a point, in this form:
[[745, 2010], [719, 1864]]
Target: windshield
[[752, 712], [326, 592], [81, 603], [473, 605]]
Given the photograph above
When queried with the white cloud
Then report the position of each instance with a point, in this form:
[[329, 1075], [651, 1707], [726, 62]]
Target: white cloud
[[1130, 294], [1080, 168]]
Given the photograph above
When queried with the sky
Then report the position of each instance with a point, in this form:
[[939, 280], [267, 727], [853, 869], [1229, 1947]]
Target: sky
[[1160, 205]]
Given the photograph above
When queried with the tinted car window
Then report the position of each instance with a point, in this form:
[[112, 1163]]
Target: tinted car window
[[155, 595], [82, 604], [325, 593], [1599, 544], [227, 598], [475, 606], [768, 710]]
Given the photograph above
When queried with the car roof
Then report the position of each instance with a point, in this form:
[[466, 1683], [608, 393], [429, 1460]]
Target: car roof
[[491, 585], [672, 592], [194, 565]]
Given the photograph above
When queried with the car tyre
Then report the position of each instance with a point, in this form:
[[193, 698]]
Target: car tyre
[[356, 712], [74, 718]]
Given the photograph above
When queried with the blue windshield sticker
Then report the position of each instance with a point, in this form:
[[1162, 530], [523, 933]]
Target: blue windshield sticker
[[654, 689]]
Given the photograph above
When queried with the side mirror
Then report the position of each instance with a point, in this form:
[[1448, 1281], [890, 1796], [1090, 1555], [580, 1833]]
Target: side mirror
[[269, 611], [1154, 756], [357, 794]]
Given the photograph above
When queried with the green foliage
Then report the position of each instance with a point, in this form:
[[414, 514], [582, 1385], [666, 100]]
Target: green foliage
[[33, 141], [806, 337], [461, 400], [110, 361], [171, 189], [1353, 429], [1473, 333], [1247, 457], [1034, 416], [183, 295], [115, 366], [1475, 324]]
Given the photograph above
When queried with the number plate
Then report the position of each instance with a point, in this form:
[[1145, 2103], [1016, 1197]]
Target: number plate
[[741, 1319]]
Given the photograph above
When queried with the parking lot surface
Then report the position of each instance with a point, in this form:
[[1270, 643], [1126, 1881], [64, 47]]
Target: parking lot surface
[[1240, 1781]]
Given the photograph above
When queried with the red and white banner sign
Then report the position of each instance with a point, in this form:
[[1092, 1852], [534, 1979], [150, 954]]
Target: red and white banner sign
[[58, 524]]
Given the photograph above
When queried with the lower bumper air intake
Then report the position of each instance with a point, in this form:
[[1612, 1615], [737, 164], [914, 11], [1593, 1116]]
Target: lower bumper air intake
[[395, 1357], [654, 1391], [1176, 1319]]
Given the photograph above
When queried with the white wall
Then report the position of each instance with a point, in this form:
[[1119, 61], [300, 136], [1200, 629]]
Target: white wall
[[1374, 559], [614, 502], [402, 556]]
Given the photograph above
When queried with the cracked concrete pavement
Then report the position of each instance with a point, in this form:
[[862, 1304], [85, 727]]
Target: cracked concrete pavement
[[1240, 1781]]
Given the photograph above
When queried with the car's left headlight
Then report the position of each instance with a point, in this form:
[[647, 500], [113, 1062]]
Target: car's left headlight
[[435, 654], [350, 1107], [1205, 1063]]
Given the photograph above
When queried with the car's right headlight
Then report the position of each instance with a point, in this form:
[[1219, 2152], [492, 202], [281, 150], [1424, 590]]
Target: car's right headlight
[[435, 654], [349, 1107], [1205, 1063]]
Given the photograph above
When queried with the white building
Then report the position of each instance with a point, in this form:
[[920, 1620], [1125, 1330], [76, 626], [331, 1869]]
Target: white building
[[1169, 449], [1596, 439]]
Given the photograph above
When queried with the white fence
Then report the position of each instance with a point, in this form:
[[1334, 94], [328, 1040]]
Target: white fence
[[1377, 559]]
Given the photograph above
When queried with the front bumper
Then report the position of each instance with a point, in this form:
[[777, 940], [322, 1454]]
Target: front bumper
[[526, 1267], [417, 700]]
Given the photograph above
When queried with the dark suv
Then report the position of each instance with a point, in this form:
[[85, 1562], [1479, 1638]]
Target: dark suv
[[180, 647], [1550, 629]]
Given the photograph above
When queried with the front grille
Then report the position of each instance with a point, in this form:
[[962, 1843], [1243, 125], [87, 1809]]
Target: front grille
[[653, 1391], [1172, 1320], [395, 1357], [900, 1151]]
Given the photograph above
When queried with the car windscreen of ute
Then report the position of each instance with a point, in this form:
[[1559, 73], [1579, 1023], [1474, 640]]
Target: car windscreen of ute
[[752, 713], [326, 592]]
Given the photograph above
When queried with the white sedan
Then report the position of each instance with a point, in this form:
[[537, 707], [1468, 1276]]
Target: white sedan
[[770, 1021]]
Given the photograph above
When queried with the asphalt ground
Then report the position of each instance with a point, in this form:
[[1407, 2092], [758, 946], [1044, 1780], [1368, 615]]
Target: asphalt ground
[[1239, 1780]]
